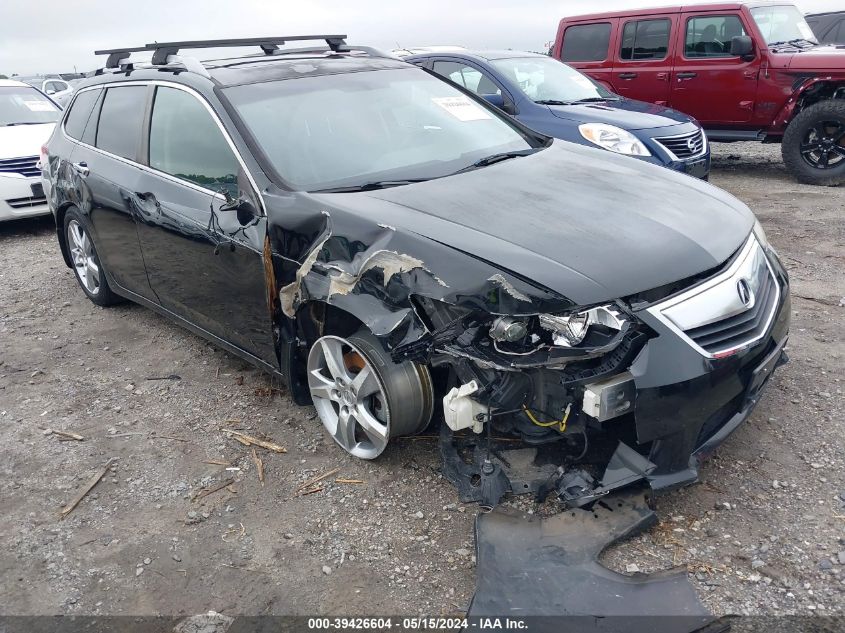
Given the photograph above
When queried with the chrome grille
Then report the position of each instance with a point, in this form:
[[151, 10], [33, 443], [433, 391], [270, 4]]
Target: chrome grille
[[736, 330], [729, 311], [24, 166], [684, 146], [24, 203]]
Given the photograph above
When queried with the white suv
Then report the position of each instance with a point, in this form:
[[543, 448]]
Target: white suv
[[27, 118]]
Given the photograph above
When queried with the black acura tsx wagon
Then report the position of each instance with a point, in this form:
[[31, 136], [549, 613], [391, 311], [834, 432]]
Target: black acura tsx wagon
[[402, 253]]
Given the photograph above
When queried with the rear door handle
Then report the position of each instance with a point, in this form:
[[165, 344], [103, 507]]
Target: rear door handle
[[81, 168], [628, 75], [686, 75]]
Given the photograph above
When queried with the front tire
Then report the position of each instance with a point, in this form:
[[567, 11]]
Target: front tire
[[814, 144], [363, 398], [85, 261]]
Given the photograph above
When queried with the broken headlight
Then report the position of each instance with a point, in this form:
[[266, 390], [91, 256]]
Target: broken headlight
[[585, 328], [570, 330]]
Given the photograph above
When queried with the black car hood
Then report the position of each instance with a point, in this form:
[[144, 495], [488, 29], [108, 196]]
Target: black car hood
[[587, 224]]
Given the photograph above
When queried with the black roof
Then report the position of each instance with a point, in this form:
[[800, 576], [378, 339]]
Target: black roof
[[255, 69]]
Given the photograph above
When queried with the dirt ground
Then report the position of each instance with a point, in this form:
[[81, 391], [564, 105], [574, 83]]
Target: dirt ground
[[763, 533]]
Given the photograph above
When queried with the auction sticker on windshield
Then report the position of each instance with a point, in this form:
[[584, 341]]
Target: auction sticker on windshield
[[39, 106], [461, 108]]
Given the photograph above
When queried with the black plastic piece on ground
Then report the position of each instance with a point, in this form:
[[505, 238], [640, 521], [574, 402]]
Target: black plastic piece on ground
[[535, 566]]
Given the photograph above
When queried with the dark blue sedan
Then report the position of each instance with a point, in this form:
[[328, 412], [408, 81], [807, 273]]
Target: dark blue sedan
[[552, 98]]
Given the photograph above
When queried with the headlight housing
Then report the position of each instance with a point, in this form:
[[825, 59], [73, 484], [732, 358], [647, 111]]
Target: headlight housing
[[570, 330], [613, 138], [760, 234]]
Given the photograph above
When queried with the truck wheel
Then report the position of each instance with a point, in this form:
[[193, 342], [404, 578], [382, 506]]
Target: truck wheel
[[814, 144]]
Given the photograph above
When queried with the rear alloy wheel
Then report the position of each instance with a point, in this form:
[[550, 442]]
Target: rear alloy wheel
[[363, 398], [814, 144], [86, 264]]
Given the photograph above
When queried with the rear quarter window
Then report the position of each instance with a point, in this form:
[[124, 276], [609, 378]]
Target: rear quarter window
[[119, 128], [586, 42], [80, 113]]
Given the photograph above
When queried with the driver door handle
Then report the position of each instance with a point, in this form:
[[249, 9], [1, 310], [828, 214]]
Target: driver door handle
[[148, 196], [686, 75], [628, 75]]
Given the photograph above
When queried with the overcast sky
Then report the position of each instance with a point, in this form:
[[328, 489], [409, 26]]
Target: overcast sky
[[50, 36]]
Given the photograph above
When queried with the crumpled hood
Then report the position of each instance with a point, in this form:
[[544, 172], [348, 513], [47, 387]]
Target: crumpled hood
[[590, 225], [628, 114], [18, 141]]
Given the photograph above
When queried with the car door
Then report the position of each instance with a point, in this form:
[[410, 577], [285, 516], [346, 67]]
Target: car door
[[105, 171], [587, 47], [707, 81], [204, 261], [643, 62]]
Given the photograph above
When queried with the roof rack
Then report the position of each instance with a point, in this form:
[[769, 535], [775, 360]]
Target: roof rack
[[163, 50]]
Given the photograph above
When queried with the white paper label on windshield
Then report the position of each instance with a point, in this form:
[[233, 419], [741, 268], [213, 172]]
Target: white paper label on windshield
[[461, 108], [39, 106]]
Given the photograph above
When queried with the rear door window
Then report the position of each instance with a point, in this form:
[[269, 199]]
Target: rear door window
[[119, 128], [710, 36], [470, 78], [645, 39], [586, 42], [186, 142], [80, 113]]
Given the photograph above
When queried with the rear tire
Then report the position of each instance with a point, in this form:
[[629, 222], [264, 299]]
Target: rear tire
[[813, 146], [85, 262]]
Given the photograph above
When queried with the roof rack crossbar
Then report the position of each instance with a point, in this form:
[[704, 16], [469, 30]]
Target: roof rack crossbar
[[163, 50]]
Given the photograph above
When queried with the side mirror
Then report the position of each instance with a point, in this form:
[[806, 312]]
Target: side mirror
[[50, 91], [742, 46], [245, 210]]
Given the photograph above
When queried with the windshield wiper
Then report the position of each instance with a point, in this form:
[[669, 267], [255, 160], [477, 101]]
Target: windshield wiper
[[496, 158], [596, 99], [370, 186], [25, 123], [552, 102], [794, 42]]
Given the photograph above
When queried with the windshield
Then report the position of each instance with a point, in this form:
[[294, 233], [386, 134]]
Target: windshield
[[357, 128], [782, 25], [546, 79], [25, 106]]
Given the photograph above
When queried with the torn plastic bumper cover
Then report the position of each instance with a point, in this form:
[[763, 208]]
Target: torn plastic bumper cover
[[555, 563]]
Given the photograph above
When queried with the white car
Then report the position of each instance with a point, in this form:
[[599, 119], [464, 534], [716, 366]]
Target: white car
[[27, 119]]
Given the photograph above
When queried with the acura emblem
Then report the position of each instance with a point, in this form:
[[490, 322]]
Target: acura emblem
[[746, 295]]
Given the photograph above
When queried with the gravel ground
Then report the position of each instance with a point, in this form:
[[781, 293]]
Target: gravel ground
[[763, 533]]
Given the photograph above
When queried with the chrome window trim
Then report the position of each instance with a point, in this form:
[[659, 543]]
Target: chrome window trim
[[156, 172], [704, 145], [657, 310]]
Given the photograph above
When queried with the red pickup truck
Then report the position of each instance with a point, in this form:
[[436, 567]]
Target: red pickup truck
[[746, 70]]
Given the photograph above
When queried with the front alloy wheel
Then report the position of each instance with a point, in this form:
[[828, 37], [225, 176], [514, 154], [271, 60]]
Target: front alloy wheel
[[363, 398]]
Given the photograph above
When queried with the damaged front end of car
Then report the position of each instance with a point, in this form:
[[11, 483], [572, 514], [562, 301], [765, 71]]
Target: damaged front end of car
[[541, 395]]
